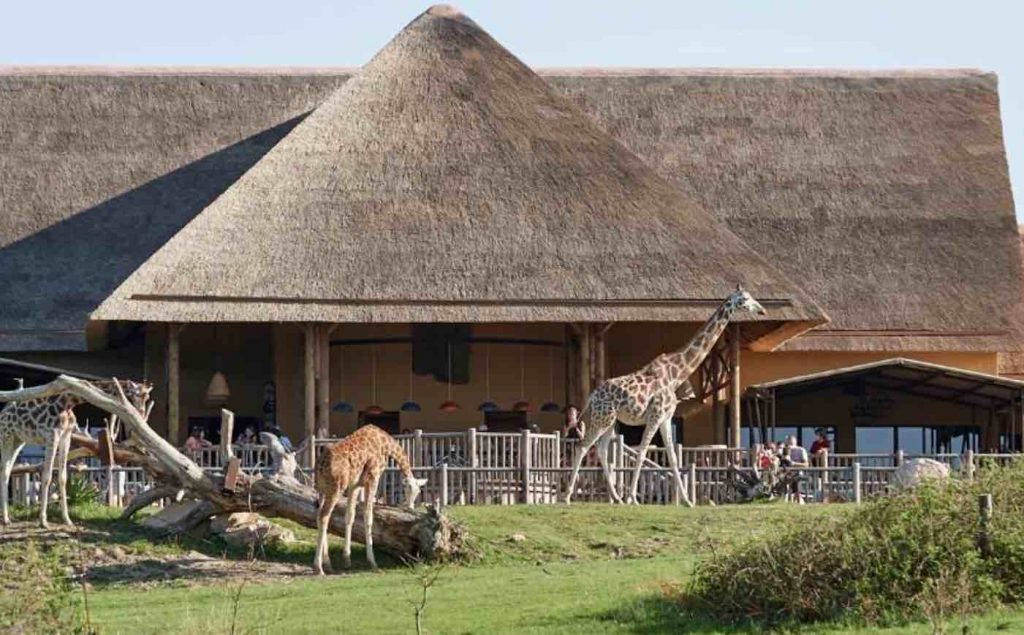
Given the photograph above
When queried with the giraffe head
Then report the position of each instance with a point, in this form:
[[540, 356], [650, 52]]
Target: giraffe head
[[412, 490], [740, 300], [136, 392]]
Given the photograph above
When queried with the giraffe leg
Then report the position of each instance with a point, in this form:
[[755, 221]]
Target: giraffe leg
[[47, 476], [350, 519], [673, 460], [649, 430], [8, 455], [598, 427], [62, 474], [369, 493], [603, 444], [323, 520]]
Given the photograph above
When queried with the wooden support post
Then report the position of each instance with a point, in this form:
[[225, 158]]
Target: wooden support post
[[444, 484], [474, 461], [174, 383], [585, 370], [969, 464], [106, 447], [691, 482], [309, 403], [899, 458], [525, 461], [856, 483], [227, 433], [417, 449], [734, 386], [323, 381], [984, 520]]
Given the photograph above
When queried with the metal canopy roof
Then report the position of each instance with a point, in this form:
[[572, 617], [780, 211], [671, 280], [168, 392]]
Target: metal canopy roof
[[921, 379]]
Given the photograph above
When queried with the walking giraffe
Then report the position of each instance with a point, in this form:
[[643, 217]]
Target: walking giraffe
[[647, 398], [49, 421], [356, 461]]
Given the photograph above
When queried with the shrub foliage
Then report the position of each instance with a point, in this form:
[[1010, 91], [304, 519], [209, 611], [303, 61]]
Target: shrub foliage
[[909, 556]]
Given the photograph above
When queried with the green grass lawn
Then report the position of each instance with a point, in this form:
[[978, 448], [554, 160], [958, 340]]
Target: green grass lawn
[[583, 569]]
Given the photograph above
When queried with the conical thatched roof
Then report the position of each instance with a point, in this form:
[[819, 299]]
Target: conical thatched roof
[[447, 181]]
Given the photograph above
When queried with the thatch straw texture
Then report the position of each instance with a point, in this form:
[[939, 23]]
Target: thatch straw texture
[[448, 182], [884, 194]]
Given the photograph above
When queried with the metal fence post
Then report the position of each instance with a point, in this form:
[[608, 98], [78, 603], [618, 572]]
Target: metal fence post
[[856, 482], [524, 462], [444, 484]]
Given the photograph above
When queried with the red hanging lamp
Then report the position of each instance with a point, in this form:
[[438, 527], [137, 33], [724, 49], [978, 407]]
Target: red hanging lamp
[[449, 405], [374, 409], [522, 405]]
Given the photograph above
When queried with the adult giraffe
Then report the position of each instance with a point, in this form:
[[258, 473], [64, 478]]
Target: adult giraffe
[[647, 398]]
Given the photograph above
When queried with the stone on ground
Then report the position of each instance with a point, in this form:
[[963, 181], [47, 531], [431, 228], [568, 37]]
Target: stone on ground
[[916, 471]]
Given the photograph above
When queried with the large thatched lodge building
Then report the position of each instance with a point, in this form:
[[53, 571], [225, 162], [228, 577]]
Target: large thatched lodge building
[[446, 224]]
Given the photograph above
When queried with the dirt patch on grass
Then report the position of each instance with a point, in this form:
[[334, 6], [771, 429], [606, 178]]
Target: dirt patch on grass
[[102, 557]]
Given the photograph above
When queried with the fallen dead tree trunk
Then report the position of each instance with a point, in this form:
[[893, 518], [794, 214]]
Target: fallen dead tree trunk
[[407, 533]]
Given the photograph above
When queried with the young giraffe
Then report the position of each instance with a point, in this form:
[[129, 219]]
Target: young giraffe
[[49, 421], [356, 461], [647, 398]]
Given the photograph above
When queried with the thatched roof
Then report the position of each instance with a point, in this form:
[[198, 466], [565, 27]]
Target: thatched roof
[[1011, 362], [448, 182], [885, 194]]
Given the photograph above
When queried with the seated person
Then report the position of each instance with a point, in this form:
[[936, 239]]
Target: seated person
[[795, 453], [820, 446]]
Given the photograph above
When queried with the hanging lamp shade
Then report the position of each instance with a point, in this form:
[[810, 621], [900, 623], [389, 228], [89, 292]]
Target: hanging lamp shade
[[550, 405], [523, 405], [410, 405], [343, 407], [488, 405], [217, 393], [374, 409], [449, 404]]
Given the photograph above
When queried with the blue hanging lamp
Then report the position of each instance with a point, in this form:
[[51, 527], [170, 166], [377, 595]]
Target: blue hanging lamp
[[488, 405], [342, 406], [410, 405]]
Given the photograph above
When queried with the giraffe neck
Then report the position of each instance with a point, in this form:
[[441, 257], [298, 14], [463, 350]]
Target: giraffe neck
[[684, 361]]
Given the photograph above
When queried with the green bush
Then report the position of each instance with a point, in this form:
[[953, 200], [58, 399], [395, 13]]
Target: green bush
[[81, 491], [909, 556]]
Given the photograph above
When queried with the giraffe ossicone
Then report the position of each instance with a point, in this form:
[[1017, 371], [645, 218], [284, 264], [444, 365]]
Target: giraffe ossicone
[[354, 465], [648, 398]]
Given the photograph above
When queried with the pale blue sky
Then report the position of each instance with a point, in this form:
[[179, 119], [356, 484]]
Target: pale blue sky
[[982, 34]]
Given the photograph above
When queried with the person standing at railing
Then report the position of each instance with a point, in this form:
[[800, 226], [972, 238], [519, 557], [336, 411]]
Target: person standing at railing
[[820, 447], [795, 458], [196, 442]]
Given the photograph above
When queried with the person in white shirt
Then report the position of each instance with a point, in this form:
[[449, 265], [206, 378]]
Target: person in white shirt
[[797, 457]]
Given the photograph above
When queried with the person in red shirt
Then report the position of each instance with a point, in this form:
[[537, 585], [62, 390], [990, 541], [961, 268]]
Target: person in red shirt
[[821, 444]]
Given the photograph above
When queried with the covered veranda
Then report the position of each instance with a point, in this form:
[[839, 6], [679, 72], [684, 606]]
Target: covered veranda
[[905, 400]]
